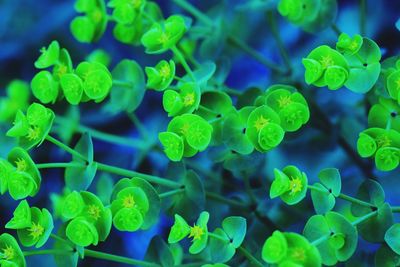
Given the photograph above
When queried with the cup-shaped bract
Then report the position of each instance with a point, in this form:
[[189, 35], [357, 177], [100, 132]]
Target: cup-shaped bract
[[135, 205], [290, 249], [26, 179], [384, 113], [6, 169], [290, 185], [261, 117], [40, 120], [11, 252], [325, 66], [49, 56], [81, 232], [21, 217], [199, 233], [173, 145], [72, 87], [44, 87], [17, 99], [160, 76], [39, 230], [349, 45], [172, 102], [161, 37], [179, 230]]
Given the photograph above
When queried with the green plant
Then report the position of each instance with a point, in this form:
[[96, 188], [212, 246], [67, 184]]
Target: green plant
[[205, 118]]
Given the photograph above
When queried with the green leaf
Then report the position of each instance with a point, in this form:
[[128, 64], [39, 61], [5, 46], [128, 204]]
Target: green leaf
[[387, 158], [81, 177], [172, 102], [330, 178], [161, 76], [81, 232], [8, 241], [159, 252], [297, 185], [348, 45], [366, 145], [322, 201], [235, 228], [83, 29], [369, 191], [5, 171], [280, 185], [200, 243], [179, 230], [72, 87], [274, 248], [128, 95], [128, 219], [72, 205], [374, 229], [392, 237], [385, 257], [220, 250]]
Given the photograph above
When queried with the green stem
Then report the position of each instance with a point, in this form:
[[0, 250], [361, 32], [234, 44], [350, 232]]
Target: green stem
[[195, 12], [343, 196], [193, 264], [172, 193], [336, 29], [359, 58], [248, 188], [118, 170], [219, 198], [148, 17], [62, 240], [282, 49], [363, 13], [65, 147], [396, 209], [122, 83], [201, 107], [59, 165], [217, 237], [182, 60], [253, 261], [115, 258], [47, 251], [110, 138], [129, 173], [178, 78]]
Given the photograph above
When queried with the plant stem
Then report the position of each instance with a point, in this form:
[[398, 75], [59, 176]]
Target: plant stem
[[225, 200], [231, 39], [250, 257], [172, 193], [118, 170], [344, 197], [110, 138], [65, 147], [59, 165], [396, 209], [217, 237], [60, 239], [178, 78], [129, 173], [182, 60], [115, 258], [363, 13], [282, 49], [47, 251], [336, 29], [122, 83]]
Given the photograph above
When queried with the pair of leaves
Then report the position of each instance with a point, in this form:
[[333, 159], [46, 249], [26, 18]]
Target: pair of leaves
[[331, 184]]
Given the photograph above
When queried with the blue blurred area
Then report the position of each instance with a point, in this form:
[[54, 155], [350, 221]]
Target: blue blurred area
[[28, 25]]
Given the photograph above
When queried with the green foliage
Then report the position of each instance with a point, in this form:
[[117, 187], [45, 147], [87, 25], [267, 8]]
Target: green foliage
[[17, 99], [11, 252], [161, 76], [290, 249]]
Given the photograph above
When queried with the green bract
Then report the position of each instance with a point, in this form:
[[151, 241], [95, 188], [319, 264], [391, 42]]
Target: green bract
[[161, 76], [289, 184], [329, 188], [290, 249], [341, 236], [44, 87], [384, 114], [310, 15], [134, 204], [49, 56], [382, 144], [185, 101], [192, 130], [91, 26], [88, 220], [161, 37], [268, 138], [11, 254], [326, 67], [33, 128], [199, 232], [348, 45]]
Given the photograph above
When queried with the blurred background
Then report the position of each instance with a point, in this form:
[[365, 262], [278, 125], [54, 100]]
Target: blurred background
[[28, 25]]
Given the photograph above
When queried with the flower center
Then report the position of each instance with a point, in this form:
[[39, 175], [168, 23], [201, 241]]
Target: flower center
[[260, 123], [196, 232], [8, 253], [188, 100], [33, 133], [94, 212], [326, 61], [299, 254], [21, 165], [164, 38], [284, 101], [36, 230], [295, 185], [128, 201], [165, 71], [383, 140]]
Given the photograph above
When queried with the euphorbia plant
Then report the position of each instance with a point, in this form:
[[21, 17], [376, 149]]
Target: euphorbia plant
[[209, 178]]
